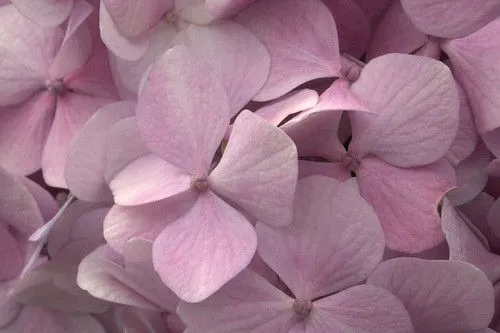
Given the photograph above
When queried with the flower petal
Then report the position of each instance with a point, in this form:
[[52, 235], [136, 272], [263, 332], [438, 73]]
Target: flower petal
[[203, 249], [334, 241], [182, 111], [247, 303], [475, 61], [362, 308], [258, 170], [239, 59], [441, 296], [409, 218], [301, 38], [72, 112], [45, 12], [451, 18], [417, 111], [226, 8], [86, 160]]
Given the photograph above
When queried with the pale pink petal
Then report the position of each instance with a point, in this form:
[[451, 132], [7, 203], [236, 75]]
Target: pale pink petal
[[466, 140], [9, 308], [77, 44], [477, 211], [136, 320], [475, 60], [204, 249], [45, 12], [20, 75], [193, 11], [182, 110], [148, 179], [45, 201], [316, 134], [465, 246], [451, 18], [409, 218], [239, 59], [374, 9], [289, 104], [301, 38], [395, 33], [23, 131], [11, 260], [226, 8], [32, 319], [86, 160], [334, 241], [123, 146], [417, 112], [107, 275], [247, 303], [18, 208], [129, 48], [360, 309], [339, 97], [73, 111], [492, 141], [332, 170], [258, 170], [133, 18], [145, 221], [352, 24], [441, 296], [471, 176]]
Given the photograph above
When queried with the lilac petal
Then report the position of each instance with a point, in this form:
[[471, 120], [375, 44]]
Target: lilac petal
[[77, 44], [10, 255], [148, 179], [352, 24], [374, 9], [44, 199], [133, 18], [465, 246], [21, 76], [475, 60], [491, 139], [441, 296], [45, 12], [339, 97], [23, 131], [32, 319], [86, 160], [204, 249], [466, 139], [316, 134], [72, 112], [493, 217], [247, 303], [334, 241], [471, 176], [477, 211], [239, 59], [123, 146], [361, 308], [395, 33], [417, 112], [301, 38], [332, 170], [126, 48], [112, 277], [451, 18], [145, 221], [182, 111], [258, 170], [410, 219], [289, 104], [18, 207], [226, 8], [9, 308]]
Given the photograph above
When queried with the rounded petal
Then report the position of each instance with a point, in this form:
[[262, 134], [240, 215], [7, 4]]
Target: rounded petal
[[45, 12], [417, 111], [301, 38], [204, 249]]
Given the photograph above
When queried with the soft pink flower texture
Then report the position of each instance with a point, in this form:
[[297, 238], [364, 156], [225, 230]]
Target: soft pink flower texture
[[249, 166]]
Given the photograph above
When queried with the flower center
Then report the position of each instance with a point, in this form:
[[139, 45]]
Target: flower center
[[200, 183], [350, 162], [302, 308], [170, 17], [56, 87]]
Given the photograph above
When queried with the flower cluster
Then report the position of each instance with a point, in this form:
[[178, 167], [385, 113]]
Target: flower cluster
[[250, 166]]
